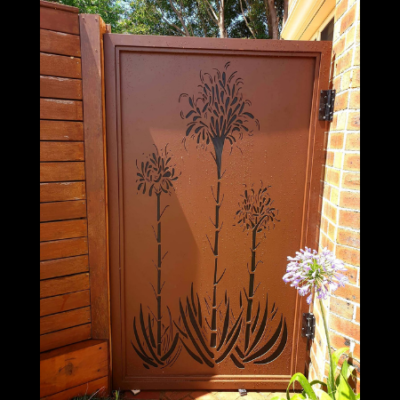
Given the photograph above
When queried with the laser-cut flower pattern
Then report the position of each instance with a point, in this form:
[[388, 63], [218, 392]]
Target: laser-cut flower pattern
[[255, 210], [157, 173], [217, 116], [161, 346]]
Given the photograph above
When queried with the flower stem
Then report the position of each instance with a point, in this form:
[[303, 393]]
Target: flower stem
[[331, 372]]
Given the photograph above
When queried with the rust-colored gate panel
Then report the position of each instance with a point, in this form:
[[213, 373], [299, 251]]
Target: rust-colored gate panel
[[215, 159]]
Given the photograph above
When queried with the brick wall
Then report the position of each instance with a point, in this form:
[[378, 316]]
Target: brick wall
[[340, 223]]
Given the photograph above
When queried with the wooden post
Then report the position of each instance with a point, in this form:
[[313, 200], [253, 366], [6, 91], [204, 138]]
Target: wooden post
[[92, 29]]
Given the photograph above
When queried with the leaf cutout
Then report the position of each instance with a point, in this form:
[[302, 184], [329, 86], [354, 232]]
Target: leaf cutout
[[278, 350], [267, 346], [190, 352]]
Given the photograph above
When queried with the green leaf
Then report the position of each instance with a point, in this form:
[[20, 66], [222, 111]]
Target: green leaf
[[344, 391], [316, 381], [335, 360], [305, 385], [346, 370], [323, 395], [358, 396]]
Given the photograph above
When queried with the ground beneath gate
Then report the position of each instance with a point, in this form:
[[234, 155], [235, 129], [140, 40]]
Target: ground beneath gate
[[196, 395]]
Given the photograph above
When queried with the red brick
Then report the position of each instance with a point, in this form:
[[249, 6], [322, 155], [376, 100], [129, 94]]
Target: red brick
[[342, 308], [334, 195], [332, 176], [354, 99], [355, 82], [350, 36], [351, 274], [348, 255], [340, 9], [336, 140], [350, 219], [358, 314], [330, 156], [338, 47], [338, 341], [352, 141], [351, 180], [348, 19], [345, 82], [353, 124], [348, 238], [323, 242], [352, 162], [357, 56], [330, 212], [348, 328], [339, 122], [337, 83], [341, 101], [331, 231], [350, 200], [356, 351], [324, 224], [349, 292], [344, 62]]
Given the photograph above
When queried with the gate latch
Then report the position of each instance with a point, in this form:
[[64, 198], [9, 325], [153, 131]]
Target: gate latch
[[326, 105], [308, 328]]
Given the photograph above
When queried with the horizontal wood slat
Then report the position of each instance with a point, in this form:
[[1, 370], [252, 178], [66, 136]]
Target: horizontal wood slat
[[99, 386], [59, 172], [56, 322], [60, 88], [63, 66], [64, 266], [67, 284], [65, 337], [61, 151], [63, 248], [61, 109], [63, 229], [61, 130], [59, 20], [62, 210], [62, 191], [60, 43], [72, 365], [65, 302]]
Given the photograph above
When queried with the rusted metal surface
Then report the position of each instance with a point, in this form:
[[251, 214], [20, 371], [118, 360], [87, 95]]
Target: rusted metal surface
[[214, 163]]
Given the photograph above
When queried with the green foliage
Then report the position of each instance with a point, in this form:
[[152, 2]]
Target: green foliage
[[112, 11], [157, 17], [340, 389]]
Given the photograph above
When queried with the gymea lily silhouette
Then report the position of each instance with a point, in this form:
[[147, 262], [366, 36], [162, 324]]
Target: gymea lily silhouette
[[255, 215], [218, 116], [156, 175]]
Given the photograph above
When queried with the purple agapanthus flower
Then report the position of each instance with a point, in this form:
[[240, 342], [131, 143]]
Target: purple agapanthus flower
[[310, 271]]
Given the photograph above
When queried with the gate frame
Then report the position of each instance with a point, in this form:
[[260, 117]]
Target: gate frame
[[114, 44]]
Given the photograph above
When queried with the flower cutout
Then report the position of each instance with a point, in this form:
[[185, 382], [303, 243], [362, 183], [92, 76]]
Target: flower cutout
[[256, 211], [156, 174]]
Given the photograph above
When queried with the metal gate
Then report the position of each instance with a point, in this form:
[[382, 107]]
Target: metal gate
[[215, 157]]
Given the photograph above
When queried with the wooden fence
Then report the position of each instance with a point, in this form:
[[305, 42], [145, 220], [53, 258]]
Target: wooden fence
[[74, 311]]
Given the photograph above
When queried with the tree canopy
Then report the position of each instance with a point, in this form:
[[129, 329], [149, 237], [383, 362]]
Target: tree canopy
[[255, 19]]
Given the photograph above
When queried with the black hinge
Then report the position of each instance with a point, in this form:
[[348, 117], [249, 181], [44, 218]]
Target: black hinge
[[326, 105], [308, 328]]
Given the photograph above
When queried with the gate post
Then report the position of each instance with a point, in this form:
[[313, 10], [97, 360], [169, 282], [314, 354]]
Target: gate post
[[92, 29]]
